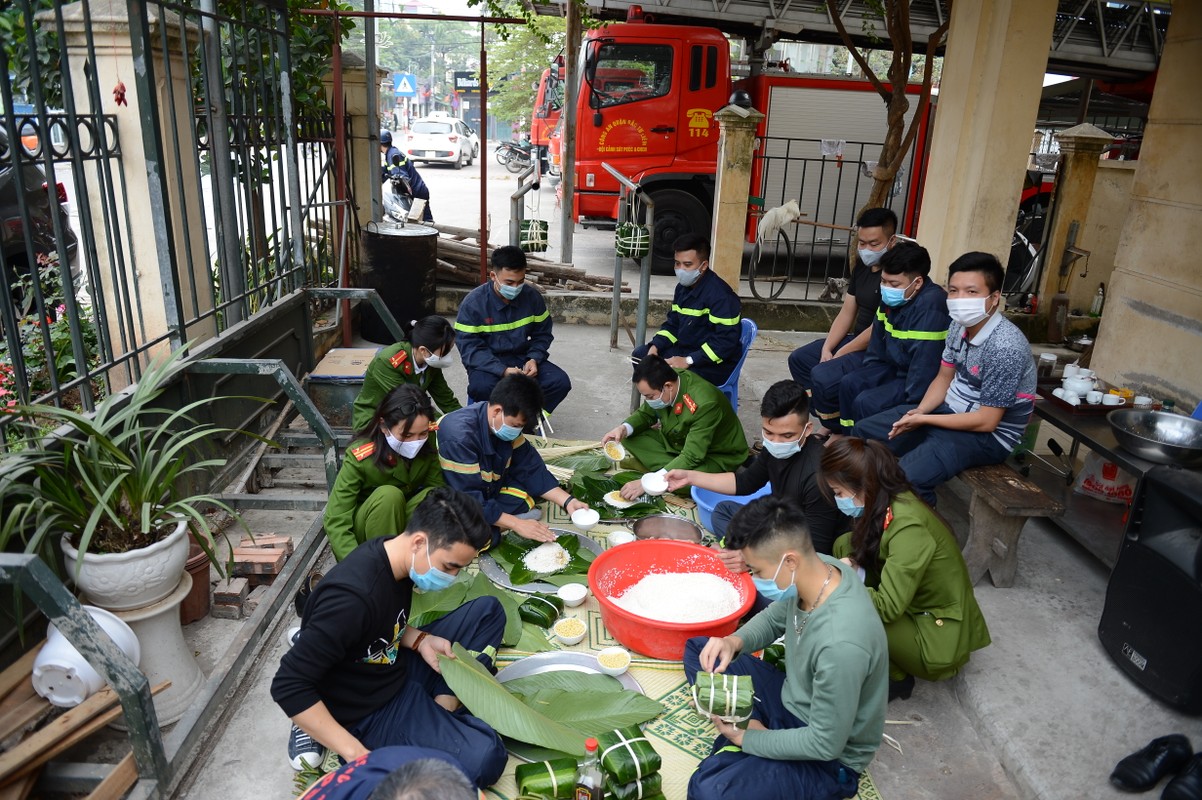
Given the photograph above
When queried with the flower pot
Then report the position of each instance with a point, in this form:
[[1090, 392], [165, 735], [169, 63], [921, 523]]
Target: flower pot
[[196, 602], [121, 581], [63, 676]]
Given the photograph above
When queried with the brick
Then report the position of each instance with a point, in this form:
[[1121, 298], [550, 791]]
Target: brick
[[260, 580], [231, 591], [258, 561], [254, 598], [226, 610], [272, 540]]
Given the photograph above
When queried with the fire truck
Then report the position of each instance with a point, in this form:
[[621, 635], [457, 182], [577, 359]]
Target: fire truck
[[656, 125], [548, 104]]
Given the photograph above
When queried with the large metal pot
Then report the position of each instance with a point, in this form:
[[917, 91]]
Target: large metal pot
[[1158, 436]]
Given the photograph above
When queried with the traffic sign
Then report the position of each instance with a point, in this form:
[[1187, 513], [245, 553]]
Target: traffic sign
[[404, 84]]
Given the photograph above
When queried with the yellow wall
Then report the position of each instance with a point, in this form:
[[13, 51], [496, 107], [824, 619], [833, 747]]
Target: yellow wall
[[1108, 209]]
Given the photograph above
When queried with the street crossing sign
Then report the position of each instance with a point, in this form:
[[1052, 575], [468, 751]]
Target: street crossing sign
[[404, 84]]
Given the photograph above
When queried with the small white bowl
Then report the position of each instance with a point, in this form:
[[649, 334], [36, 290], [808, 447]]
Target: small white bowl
[[655, 483], [615, 654], [585, 518], [575, 639], [620, 537], [614, 451], [572, 594]]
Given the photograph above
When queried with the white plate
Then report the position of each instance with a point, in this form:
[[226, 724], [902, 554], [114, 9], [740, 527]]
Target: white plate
[[616, 500], [564, 660], [493, 571]]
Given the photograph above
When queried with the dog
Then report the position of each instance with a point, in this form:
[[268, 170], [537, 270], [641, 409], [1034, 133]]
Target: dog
[[835, 287], [772, 221]]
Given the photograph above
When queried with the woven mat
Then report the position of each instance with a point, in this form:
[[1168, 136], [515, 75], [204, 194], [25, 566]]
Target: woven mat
[[680, 735]]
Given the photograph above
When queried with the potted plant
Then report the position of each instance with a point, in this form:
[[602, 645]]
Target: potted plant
[[115, 489]]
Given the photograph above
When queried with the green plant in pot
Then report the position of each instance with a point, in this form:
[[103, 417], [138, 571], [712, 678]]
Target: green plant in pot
[[114, 490]]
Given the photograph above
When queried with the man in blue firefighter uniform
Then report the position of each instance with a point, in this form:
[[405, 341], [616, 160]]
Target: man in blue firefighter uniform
[[504, 329], [701, 332]]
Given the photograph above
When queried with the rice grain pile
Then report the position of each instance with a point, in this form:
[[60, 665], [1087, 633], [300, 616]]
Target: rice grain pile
[[680, 597], [548, 557]]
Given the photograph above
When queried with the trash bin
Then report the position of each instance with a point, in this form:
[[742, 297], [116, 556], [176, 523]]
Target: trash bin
[[400, 264]]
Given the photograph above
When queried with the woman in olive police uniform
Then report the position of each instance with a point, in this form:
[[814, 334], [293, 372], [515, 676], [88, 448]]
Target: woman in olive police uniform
[[431, 344], [388, 470]]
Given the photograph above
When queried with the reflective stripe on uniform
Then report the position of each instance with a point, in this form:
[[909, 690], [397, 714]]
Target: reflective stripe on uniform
[[847, 423], [513, 491], [705, 312], [709, 351], [503, 326], [667, 335], [923, 336]]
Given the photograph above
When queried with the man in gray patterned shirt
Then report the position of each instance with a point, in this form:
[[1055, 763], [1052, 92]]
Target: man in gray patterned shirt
[[976, 409]]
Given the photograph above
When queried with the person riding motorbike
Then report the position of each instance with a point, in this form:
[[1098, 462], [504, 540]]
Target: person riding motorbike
[[396, 163]]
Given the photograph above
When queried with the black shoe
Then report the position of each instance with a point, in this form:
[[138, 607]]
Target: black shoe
[[901, 689], [302, 594], [1142, 770], [1188, 783]]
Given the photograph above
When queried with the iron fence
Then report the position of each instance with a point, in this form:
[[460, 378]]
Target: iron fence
[[140, 217]]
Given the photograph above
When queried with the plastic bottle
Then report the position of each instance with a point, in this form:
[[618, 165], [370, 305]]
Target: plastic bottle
[[588, 774], [1099, 299]]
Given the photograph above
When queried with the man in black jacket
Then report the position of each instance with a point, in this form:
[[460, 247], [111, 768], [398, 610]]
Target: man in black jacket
[[359, 677], [789, 463]]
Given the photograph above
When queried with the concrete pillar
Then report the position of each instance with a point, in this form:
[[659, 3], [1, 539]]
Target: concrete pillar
[[364, 133], [110, 32], [1151, 329], [736, 143], [1080, 148], [988, 105]]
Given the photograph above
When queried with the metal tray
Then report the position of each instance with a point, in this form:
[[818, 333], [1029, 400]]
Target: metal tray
[[571, 661], [493, 571]]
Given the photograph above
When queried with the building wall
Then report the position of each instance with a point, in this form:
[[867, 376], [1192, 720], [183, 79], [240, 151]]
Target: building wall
[[1108, 210]]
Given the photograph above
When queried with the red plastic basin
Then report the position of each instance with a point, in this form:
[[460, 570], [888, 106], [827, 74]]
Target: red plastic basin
[[619, 568]]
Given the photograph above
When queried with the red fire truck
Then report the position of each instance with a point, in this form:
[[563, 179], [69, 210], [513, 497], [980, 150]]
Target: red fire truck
[[656, 126], [548, 104]]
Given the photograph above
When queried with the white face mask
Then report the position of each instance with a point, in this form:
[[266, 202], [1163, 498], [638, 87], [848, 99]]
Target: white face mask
[[968, 311], [440, 362], [404, 449]]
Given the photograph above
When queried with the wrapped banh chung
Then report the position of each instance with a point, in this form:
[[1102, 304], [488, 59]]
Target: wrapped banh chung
[[728, 696], [626, 755], [541, 609], [555, 778], [651, 786]]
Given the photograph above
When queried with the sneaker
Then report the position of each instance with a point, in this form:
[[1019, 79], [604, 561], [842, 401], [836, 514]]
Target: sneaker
[[303, 750], [293, 635], [534, 513]]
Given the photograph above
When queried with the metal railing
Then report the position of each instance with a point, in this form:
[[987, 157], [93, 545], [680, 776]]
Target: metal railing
[[628, 189]]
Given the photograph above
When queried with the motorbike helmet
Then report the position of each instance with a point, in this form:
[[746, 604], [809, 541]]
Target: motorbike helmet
[[386, 137]]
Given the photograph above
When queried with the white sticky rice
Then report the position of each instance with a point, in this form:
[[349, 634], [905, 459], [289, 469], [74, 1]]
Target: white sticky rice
[[680, 597], [548, 557]]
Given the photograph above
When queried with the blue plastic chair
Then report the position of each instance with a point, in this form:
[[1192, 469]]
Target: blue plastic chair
[[1197, 411], [731, 388]]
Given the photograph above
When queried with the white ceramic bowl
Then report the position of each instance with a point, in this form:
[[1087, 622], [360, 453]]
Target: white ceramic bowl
[[655, 483], [1111, 400], [565, 622], [620, 537], [572, 594], [585, 518], [1143, 401], [1078, 386], [614, 451], [616, 655]]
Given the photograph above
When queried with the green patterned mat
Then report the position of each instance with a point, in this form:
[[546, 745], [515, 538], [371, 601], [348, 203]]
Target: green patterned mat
[[680, 735]]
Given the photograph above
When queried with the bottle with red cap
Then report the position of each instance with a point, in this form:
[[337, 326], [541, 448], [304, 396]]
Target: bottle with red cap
[[588, 774]]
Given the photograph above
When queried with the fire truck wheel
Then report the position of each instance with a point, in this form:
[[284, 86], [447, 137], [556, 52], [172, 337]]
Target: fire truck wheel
[[676, 213]]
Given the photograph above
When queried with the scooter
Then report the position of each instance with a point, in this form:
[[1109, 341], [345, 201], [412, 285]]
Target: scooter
[[398, 199], [515, 156]]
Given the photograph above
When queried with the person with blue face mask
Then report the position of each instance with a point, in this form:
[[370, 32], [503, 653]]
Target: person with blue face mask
[[359, 677], [788, 466], [504, 328], [817, 725], [388, 469], [904, 348], [684, 423], [701, 332], [484, 454], [908, 560]]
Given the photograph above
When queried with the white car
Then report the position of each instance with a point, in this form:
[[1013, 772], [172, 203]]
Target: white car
[[442, 139]]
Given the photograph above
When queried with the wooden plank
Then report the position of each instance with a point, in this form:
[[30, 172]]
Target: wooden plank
[[20, 788], [17, 696], [26, 756], [18, 671], [61, 727], [33, 709], [1008, 493], [117, 782]]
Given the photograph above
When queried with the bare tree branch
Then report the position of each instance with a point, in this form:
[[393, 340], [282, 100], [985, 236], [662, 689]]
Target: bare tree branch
[[837, 20], [924, 99]]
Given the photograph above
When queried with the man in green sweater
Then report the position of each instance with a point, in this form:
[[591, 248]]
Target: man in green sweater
[[684, 422], [815, 727]]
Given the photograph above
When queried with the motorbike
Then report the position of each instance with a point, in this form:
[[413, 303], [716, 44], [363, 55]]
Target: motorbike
[[515, 156], [398, 198]]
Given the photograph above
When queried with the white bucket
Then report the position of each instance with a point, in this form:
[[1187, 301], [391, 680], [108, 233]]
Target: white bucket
[[63, 676]]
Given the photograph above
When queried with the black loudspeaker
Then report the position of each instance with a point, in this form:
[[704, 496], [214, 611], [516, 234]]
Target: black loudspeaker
[[1152, 621]]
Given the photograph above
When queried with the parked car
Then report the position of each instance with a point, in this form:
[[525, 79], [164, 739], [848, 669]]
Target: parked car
[[442, 139], [42, 200]]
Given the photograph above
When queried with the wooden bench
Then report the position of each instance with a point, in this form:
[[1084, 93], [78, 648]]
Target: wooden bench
[[1002, 502]]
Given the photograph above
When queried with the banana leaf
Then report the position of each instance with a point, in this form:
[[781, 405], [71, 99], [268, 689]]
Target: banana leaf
[[541, 609], [483, 587], [648, 787], [430, 606], [591, 487], [564, 680], [774, 654], [509, 553], [555, 778], [594, 713], [589, 461], [507, 714], [533, 639]]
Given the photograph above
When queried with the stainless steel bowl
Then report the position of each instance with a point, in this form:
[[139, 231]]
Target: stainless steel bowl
[[1079, 343], [1158, 435], [667, 526]]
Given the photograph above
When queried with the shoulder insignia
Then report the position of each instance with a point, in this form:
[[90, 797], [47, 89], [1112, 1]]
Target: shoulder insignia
[[398, 359], [408, 369], [434, 426], [888, 518], [363, 451], [688, 401], [677, 409]]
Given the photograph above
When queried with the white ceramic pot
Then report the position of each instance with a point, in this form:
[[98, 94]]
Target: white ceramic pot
[[63, 676], [1078, 386], [121, 581]]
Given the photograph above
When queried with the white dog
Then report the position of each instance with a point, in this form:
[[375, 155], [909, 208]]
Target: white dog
[[777, 218]]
